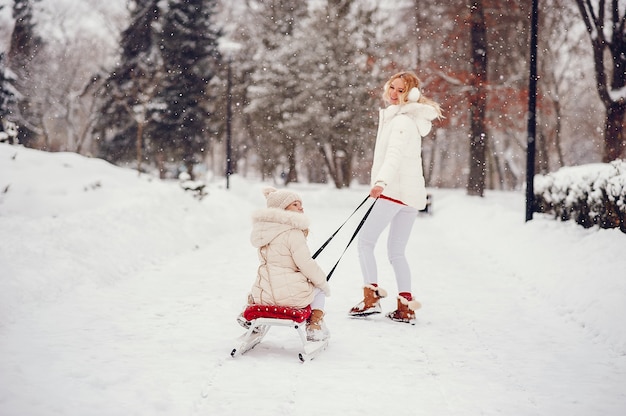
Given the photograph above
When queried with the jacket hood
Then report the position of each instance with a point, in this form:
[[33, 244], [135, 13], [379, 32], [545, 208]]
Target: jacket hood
[[421, 114], [268, 223], [413, 110]]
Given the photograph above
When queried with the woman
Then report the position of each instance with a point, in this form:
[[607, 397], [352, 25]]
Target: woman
[[398, 181], [288, 275]]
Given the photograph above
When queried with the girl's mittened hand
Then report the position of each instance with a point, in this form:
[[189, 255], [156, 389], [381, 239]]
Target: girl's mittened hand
[[326, 289]]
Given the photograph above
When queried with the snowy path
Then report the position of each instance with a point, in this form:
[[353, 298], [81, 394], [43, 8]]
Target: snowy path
[[485, 344], [487, 341], [497, 346], [498, 349]]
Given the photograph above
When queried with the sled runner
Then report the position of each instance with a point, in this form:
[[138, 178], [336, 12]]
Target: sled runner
[[263, 317]]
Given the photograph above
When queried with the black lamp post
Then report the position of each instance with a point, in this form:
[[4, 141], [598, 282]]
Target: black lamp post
[[532, 117], [229, 116]]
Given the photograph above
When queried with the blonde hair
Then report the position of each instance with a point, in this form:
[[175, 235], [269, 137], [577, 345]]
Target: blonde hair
[[411, 81]]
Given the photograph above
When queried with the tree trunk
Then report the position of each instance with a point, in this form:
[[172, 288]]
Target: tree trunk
[[160, 162], [557, 134], [345, 167], [430, 169], [331, 167], [608, 40], [495, 168], [292, 172], [543, 159], [139, 145], [478, 101], [614, 143]]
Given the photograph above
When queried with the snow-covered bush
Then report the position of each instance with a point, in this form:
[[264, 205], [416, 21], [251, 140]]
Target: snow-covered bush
[[195, 187], [591, 195], [8, 132]]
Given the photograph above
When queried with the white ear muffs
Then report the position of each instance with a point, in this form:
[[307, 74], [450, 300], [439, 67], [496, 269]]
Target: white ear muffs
[[414, 94]]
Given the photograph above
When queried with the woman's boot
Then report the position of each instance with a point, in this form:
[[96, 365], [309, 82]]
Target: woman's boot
[[406, 310], [370, 303]]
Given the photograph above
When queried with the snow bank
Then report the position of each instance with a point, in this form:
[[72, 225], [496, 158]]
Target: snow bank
[[51, 204]]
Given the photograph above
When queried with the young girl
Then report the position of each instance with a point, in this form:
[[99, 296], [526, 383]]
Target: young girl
[[398, 181], [287, 274]]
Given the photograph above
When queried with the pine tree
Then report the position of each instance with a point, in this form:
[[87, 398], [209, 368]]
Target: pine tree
[[339, 70], [127, 93], [25, 45], [313, 98], [8, 99], [277, 132], [7, 91], [182, 109]]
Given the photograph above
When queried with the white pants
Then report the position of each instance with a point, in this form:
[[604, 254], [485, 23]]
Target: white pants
[[400, 218], [319, 300]]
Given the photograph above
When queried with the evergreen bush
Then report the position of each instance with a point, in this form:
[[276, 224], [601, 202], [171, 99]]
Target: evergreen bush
[[593, 194]]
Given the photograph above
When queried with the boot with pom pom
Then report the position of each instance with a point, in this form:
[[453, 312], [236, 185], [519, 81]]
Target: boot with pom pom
[[370, 303], [406, 309]]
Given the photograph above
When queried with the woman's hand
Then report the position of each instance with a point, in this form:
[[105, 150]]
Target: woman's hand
[[376, 191]]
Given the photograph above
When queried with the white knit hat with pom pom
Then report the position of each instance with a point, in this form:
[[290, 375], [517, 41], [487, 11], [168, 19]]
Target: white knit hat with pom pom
[[280, 198]]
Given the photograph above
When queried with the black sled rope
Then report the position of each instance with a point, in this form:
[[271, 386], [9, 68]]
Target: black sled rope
[[367, 213]]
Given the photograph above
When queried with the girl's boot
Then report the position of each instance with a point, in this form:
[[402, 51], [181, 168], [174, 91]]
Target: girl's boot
[[315, 327]]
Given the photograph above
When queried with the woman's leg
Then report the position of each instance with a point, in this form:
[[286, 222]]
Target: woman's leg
[[399, 233], [380, 216]]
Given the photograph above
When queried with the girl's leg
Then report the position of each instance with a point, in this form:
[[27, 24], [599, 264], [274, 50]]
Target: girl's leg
[[319, 300], [379, 218], [399, 233], [316, 329]]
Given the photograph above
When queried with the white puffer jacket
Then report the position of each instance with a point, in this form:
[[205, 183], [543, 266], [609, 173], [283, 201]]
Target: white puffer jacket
[[287, 274], [397, 165]]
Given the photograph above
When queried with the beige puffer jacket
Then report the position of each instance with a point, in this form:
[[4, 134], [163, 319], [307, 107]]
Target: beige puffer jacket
[[287, 274], [397, 164]]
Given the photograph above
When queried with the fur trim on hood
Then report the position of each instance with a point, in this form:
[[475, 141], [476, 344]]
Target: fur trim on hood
[[267, 223], [421, 114]]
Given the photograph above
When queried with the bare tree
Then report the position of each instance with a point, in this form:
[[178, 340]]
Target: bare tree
[[606, 26]]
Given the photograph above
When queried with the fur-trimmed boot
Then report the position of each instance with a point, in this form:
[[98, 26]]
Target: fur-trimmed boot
[[370, 303], [315, 327], [406, 310], [243, 321]]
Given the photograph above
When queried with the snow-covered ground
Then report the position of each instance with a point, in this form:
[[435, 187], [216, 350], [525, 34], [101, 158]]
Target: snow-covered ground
[[118, 296]]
